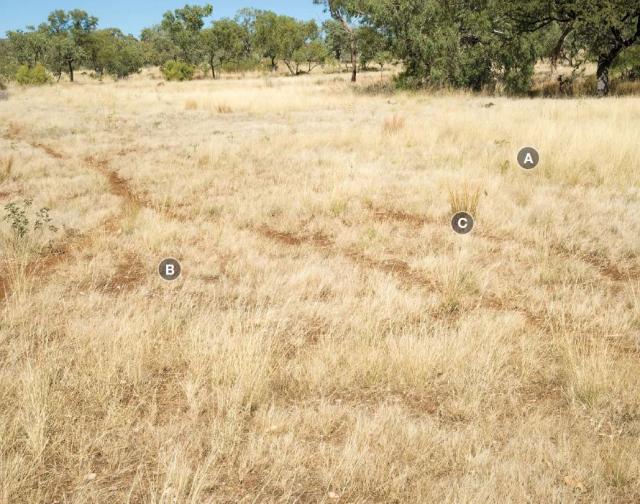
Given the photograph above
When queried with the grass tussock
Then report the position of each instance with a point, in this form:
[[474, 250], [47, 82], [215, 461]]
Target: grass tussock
[[223, 108], [394, 124], [464, 199], [191, 105], [6, 166]]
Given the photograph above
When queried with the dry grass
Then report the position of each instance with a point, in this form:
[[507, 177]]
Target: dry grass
[[191, 105], [223, 108], [394, 124], [331, 338], [6, 165], [464, 199]]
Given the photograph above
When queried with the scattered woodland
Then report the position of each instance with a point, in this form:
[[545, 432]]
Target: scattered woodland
[[490, 46]]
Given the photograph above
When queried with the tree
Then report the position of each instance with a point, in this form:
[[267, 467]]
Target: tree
[[182, 27], [462, 44], [628, 64], [267, 35], [344, 11], [370, 43], [281, 37], [312, 54], [64, 54], [602, 28], [29, 47], [157, 46], [112, 52], [381, 58], [70, 35], [8, 65], [224, 42], [294, 40], [336, 38]]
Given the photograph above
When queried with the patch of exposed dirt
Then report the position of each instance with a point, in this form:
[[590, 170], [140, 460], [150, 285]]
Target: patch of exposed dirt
[[4, 288], [400, 269], [126, 276], [415, 220], [603, 266], [14, 132], [283, 237], [395, 267], [129, 274], [118, 186]]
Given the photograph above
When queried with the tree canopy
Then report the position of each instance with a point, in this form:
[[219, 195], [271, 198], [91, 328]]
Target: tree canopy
[[485, 45]]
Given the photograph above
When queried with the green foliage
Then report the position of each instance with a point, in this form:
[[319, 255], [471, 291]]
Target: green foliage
[[336, 39], [628, 64], [601, 30], [284, 38], [36, 76], [111, 52], [69, 39], [371, 43], [8, 65], [225, 42], [382, 58], [311, 54], [157, 46], [297, 42], [178, 71], [22, 223], [344, 13], [481, 45], [29, 47], [182, 27], [267, 35], [460, 45]]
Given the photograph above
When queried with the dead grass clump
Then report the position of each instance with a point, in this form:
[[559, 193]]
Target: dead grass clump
[[223, 108], [191, 105], [626, 88], [377, 88], [464, 199], [394, 124], [6, 165]]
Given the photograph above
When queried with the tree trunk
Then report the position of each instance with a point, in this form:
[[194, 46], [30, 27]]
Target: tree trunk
[[213, 70], [70, 70], [602, 76], [604, 64], [354, 57], [274, 65]]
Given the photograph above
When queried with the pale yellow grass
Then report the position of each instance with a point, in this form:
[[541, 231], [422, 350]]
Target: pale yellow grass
[[331, 339]]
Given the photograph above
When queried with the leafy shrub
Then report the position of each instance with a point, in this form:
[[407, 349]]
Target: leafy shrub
[[35, 76], [178, 71], [627, 65], [17, 214]]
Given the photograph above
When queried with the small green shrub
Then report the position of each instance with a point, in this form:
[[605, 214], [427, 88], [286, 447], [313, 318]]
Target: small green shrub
[[178, 71], [35, 76], [17, 214]]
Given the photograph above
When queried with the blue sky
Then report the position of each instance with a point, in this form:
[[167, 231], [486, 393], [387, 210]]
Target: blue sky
[[133, 15]]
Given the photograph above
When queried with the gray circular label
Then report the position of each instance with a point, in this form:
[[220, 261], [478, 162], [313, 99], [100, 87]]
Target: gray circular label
[[169, 269], [528, 158], [462, 223]]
